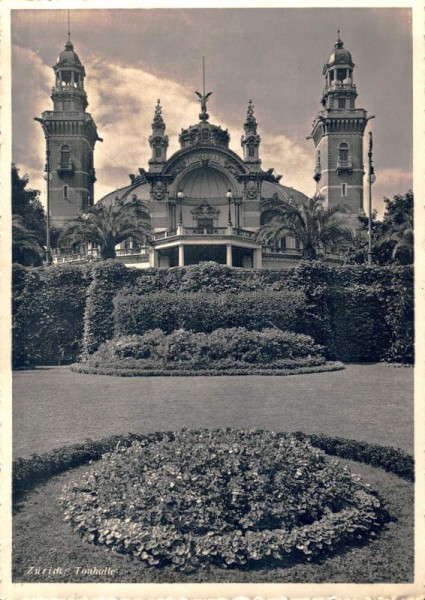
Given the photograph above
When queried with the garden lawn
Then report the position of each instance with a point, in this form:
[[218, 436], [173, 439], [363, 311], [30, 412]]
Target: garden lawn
[[53, 407]]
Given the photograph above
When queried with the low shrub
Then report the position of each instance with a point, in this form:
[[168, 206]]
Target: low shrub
[[222, 349], [223, 497]]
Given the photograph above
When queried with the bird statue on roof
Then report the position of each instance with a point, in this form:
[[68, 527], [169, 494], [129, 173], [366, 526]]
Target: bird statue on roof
[[203, 100]]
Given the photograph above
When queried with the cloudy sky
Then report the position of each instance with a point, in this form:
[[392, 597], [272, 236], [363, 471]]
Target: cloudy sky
[[272, 55]]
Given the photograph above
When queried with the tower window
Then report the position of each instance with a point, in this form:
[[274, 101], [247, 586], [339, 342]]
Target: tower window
[[340, 74], [341, 102], [158, 152], [65, 156], [251, 151], [344, 189], [65, 191], [343, 152]]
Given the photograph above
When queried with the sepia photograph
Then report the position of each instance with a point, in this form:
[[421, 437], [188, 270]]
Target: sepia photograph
[[211, 282]]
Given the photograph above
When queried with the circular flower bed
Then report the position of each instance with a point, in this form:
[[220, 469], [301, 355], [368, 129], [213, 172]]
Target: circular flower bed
[[227, 497]]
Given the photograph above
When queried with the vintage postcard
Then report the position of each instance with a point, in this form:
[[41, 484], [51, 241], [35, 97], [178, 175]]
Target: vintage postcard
[[212, 278]]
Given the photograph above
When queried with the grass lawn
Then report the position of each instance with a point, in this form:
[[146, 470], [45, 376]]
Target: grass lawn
[[53, 407]]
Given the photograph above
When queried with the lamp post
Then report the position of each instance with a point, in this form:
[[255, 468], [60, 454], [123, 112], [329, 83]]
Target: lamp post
[[47, 177], [180, 196], [229, 199], [371, 179]]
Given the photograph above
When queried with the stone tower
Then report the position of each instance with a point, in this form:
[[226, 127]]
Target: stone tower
[[71, 135], [338, 135]]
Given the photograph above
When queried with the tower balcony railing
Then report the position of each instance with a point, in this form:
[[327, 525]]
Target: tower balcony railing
[[344, 165], [65, 168]]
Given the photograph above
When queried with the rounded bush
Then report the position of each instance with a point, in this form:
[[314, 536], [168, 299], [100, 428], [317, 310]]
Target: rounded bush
[[227, 350], [225, 497]]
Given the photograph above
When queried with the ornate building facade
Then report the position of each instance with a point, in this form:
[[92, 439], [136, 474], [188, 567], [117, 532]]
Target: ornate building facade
[[205, 202]]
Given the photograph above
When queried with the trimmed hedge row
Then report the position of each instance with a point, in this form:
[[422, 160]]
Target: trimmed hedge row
[[48, 314], [49, 305], [359, 313], [29, 472], [207, 311]]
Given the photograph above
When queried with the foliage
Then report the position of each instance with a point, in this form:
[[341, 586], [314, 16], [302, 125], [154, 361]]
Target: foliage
[[30, 217], [382, 294], [312, 226], [226, 497], [106, 226], [107, 278], [30, 472], [230, 349], [26, 247], [133, 368], [392, 238], [48, 311], [206, 311]]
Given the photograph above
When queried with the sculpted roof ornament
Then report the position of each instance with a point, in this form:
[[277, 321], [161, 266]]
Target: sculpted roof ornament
[[203, 98], [250, 113], [158, 119]]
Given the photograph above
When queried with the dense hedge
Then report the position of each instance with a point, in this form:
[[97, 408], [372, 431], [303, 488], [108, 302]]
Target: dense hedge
[[48, 314], [207, 311], [30, 472], [225, 497], [359, 312]]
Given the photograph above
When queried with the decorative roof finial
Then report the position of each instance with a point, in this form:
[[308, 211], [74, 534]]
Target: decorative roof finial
[[339, 43], [203, 97], [158, 121], [69, 28]]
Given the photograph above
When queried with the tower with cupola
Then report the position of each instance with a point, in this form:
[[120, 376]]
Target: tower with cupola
[[71, 135], [338, 135]]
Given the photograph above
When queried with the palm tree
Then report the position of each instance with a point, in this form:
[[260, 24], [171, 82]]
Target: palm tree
[[401, 236], [25, 245], [106, 226], [312, 226]]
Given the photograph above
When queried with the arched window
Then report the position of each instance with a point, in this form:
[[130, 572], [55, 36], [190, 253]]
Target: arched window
[[65, 156], [343, 151], [158, 152], [251, 151]]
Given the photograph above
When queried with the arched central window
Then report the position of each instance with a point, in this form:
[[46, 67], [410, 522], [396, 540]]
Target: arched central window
[[343, 151], [65, 156]]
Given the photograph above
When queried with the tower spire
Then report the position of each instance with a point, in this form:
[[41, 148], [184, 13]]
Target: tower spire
[[250, 142], [69, 27], [158, 141]]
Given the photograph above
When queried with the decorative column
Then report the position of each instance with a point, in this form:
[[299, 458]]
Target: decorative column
[[258, 259], [229, 261], [181, 255]]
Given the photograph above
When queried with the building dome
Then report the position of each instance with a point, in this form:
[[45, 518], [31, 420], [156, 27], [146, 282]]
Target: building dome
[[205, 183], [68, 57], [340, 55]]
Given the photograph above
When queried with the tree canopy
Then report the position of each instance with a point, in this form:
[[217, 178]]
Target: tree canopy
[[314, 227], [106, 226], [28, 223], [393, 237]]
